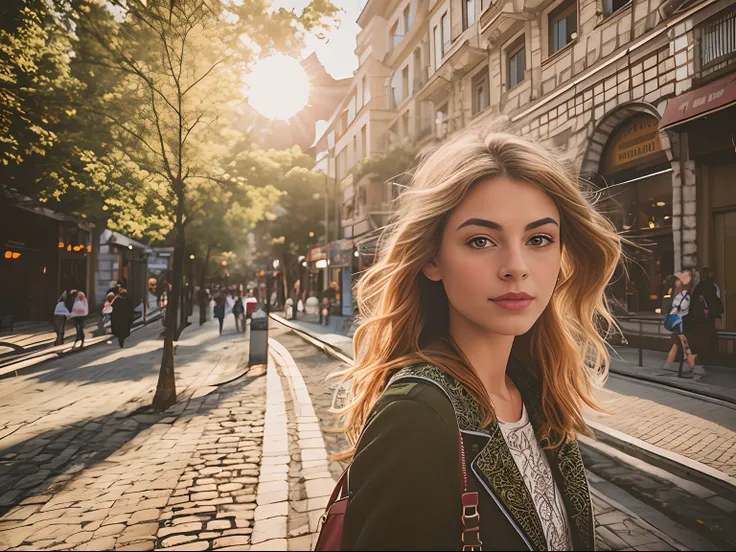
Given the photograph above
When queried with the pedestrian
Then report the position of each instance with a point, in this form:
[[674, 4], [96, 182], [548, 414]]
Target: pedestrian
[[706, 306], [480, 317], [682, 325], [107, 313], [250, 303], [238, 312], [79, 313], [61, 315], [122, 316], [114, 288], [219, 309]]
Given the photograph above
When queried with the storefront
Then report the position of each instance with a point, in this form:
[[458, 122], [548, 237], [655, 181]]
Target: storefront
[[43, 253], [340, 269], [705, 120], [638, 199]]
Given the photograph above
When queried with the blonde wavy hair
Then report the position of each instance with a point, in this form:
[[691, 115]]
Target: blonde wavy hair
[[404, 316]]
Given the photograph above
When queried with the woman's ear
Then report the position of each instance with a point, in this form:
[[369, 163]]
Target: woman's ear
[[432, 271]]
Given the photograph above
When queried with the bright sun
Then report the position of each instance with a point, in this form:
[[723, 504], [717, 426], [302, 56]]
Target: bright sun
[[278, 87]]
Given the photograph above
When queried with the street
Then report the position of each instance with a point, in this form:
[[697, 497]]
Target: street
[[242, 459]]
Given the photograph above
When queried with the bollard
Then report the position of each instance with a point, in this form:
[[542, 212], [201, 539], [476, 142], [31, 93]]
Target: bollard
[[258, 338]]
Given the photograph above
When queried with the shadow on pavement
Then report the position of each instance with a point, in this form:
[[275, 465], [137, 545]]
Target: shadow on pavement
[[45, 465]]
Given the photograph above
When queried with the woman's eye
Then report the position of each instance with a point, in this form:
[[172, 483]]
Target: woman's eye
[[543, 237], [478, 243]]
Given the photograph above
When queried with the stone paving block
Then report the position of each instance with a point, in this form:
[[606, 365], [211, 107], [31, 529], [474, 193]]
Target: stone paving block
[[104, 543], [271, 510], [319, 503], [144, 515], [238, 540], [267, 529], [319, 487], [197, 510], [195, 497], [108, 530], [190, 527], [270, 498], [142, 531], [218, 524], [272, 487], [177, 539], [21, 513]]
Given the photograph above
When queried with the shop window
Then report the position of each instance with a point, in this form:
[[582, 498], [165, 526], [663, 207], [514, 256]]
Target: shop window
[[562, 26], [481, 91], [516, 62], [612, 6]]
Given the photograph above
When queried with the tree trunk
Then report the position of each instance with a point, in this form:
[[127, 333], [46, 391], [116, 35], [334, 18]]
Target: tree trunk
[[203, 304], [166, 388]]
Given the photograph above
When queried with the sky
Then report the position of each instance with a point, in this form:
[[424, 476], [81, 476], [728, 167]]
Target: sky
[[337, 51]]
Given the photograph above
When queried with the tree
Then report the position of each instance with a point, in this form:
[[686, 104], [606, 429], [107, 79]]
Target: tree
[[183, 62], [285, 233], [224, 214]]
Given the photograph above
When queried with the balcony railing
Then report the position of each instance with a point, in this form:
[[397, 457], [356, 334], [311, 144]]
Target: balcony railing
[[718, 44]]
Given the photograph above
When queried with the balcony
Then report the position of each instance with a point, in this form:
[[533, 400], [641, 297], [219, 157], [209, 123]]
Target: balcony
[[717, 46]]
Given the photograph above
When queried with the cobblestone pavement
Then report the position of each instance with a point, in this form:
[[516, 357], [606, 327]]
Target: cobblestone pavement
[[236, 466], [89, 465], [697, 429]]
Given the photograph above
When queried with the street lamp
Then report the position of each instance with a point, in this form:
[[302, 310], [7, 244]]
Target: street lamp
[[275, 264], [191, 257]]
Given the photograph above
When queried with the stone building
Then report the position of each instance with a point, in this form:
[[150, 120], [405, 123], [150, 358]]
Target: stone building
[[639, 95]]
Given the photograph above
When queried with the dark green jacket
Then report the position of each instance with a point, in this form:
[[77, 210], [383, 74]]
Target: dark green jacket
[[405, 481]]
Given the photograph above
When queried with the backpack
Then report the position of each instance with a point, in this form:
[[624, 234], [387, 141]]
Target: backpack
[[673, 322]]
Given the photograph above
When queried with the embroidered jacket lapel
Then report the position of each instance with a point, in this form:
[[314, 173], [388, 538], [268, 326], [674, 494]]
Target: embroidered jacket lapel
[[566, 464]]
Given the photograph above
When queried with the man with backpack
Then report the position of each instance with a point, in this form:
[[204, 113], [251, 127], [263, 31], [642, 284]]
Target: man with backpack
[[705, 307]]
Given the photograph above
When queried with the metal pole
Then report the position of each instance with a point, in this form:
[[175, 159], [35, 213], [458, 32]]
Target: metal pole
[[641, 343], [327, 233]]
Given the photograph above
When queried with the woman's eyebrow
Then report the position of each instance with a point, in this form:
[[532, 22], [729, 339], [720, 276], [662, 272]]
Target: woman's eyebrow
[[495, 226]]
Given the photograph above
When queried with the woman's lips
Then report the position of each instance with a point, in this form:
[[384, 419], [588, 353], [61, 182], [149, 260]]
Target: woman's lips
[[512, 305]]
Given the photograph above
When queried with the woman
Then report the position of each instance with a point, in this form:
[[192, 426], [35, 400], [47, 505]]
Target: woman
[[480, 319], [219, 310], [61, 315], [79, 313], [122, 316], [682, 333], [107, 313]]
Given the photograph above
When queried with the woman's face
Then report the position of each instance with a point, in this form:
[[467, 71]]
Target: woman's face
[[504, 237]]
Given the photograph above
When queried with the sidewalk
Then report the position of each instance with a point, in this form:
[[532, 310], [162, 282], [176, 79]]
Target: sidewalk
[[699, 430], [98, 469], [717, 381], [33, 347]]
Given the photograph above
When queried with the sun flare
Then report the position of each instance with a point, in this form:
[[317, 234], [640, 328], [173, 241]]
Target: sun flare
[[278, 87]]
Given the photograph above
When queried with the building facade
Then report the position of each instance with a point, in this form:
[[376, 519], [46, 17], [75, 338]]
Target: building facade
[[639, 95]]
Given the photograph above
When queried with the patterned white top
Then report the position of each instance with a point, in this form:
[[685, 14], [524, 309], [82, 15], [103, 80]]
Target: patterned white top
[[535, 470]]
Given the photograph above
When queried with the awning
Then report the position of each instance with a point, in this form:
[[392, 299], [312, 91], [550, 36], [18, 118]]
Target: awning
[[700, 102]]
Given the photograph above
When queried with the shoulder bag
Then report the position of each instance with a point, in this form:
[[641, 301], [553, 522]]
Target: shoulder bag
[[331, 522]]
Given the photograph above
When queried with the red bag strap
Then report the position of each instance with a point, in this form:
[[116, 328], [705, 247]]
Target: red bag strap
[[471, 516]]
